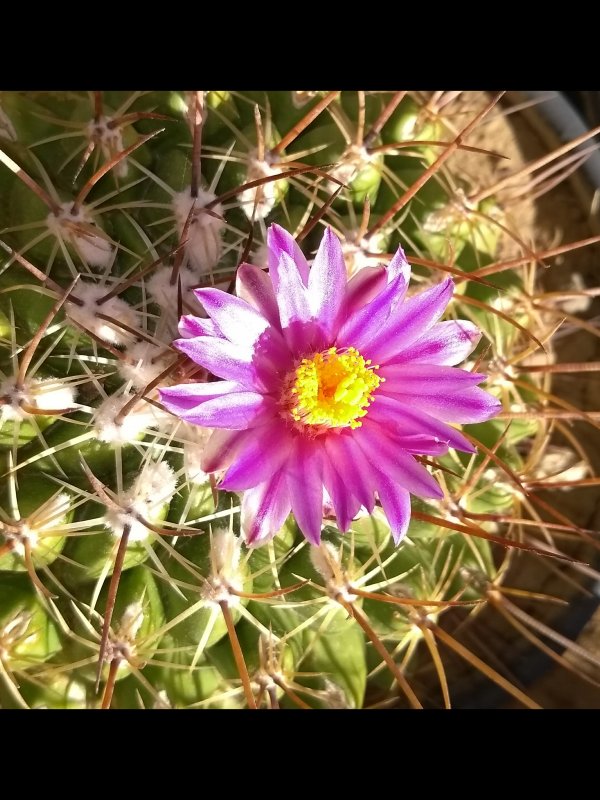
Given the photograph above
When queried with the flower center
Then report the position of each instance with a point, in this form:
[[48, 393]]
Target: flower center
[[333, 389]]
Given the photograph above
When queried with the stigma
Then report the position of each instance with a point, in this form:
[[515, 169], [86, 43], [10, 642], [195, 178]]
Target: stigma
[[332, 389]]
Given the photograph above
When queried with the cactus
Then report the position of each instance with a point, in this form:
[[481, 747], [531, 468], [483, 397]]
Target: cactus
[[125, 580]]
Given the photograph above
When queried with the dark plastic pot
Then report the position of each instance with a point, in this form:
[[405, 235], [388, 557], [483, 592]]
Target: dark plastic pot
[[588, 105]]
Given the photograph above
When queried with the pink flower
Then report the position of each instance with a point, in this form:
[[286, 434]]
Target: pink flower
[[327, 384]]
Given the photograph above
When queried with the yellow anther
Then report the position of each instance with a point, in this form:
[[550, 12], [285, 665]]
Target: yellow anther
[[332, 389]]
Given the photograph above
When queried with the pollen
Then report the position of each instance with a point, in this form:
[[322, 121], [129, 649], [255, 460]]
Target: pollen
[[333, 389]]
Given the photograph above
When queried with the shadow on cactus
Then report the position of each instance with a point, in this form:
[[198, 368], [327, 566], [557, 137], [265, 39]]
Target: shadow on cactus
[[242, 466]]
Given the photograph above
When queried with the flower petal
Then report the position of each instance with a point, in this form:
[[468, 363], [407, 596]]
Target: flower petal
[[427, 379], [190, 326], [222, 448], [469, 405], [186, 396], [405, 419], [363, 287], [399, 266], [291, 294], [264, 509], [345, 504], [415, 316], [446, 343], [362, 326], [401, 467], [294, 310], [235, 411], [262, 455], [254, 286], [421, 444], [305, 485], [279, 242], [396, 505], [238, 321], [349, 460], [327, 283], [222, 358]]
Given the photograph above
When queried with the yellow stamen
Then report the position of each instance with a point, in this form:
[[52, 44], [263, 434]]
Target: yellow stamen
[[333, 389]]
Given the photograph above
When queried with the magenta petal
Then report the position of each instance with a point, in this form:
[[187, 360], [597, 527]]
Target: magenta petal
[[190, 326], [399, 266], [305, 485], [402, 468], [396, 505], [264, 453], [446, 343], [423, 445], [222, 358], [404, 419], [415, 316], [327, 283], [292, 295], [185, 396], [240, 323], [254, 286], [222, 448], [346, 506], [419, 379], [280, 242], [363, 287], [349, 460], [469, 405], [235, 411], [264, 509], [294, 309], [362, 326]]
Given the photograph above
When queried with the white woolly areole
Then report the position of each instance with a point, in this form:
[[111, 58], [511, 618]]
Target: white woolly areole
[[132, 426], [194, 441], [205, 243], [110, 140], [225, 575], [334, 696], [7, 129], [45, 394], [326, 560], [48, 519], [225, 554], [165, 294], [300, 99], [268, 191], [351, 163], [51, 515], [145, 361], [17, 539], [15, 632], [131, 621], [162, 700], [261, 256], [146, 498], [574, 304], [75, 228], [560, 464], [115, 308], [357, 256]]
